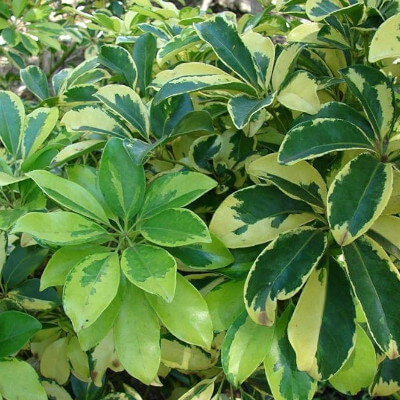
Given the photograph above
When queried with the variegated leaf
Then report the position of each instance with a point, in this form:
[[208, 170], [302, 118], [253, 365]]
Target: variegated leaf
[[314, 138], [36, 81], [357, 197], [376, 284], [62, 261], [375, 93], [95, 333], [299, 92], [12, 117], [263, 51], [187, 316], [359, 370], [386, 43], [184, 356], [61, 228], [323, 326], [301, 181], [385, 232], [90, 287], [120, 61], [194, 83], [244, 348], [137, 336], [257, 214], [95, 119], [151, 268], [143, 54], [203, 256], [202, 391], [176, 189], [175, 227], [285, 380], [284, 64], [69, 194], [76, 150], [222, 35], [38, 126], [126, 102], [387, 378], [242, 108], [122, 182], [281, 270]]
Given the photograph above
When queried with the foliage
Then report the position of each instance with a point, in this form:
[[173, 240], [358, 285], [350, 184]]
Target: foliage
[[208, 203]]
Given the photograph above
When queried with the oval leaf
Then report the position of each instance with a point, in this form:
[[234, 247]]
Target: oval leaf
[[90, 287], [357, 197]]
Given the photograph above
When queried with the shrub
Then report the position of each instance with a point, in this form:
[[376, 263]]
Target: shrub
[[205, 202]]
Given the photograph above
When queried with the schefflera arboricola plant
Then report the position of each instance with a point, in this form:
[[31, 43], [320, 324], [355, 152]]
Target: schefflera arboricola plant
[[112, 255], [325, 287]]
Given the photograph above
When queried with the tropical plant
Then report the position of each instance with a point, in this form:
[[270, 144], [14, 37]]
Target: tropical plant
[[204, 205]]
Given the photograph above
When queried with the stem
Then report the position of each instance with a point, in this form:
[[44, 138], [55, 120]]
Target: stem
[[61, 61]]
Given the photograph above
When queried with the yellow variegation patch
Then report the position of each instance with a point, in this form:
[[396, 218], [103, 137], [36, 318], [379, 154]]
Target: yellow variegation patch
[[299, 93], [386, 43], [282, 66]]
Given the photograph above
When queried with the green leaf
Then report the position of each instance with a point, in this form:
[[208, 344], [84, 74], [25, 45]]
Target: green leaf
[[151, 268], [314, 138], [143, 54], [94, 118], [244, 348], [204, 256], [61, 228], [375, 281], [193, 83], [175, 227], [18, 6], [360, 368], [223, 37], [36, 81], [90, 287], [22, 262], [225, 303], [323, 326], [281, 270], [242, 108], [120, 61], [187, 316], [18, 380], [126, 103], [386, 43], [194, 121], [137, 336], [300, 181], [176, 189], [386, 381], [69, 194], [357, 197], [16, 328], [62, 261], [285, 380], [121, 181], [39, 124], [12, 116], [375, 93], [257, 214]]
